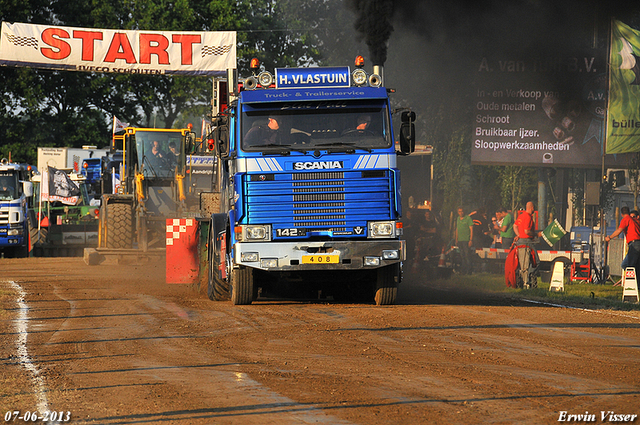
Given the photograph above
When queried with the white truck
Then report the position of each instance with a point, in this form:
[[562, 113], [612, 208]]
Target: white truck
[[14, 227], [67, 158]]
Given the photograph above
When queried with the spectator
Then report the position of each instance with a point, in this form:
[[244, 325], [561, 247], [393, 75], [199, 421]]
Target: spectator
[[429, 234], [411, 229], [464, 239], [631, 228], [494, 229], [524, 228], [480, 229], [507, 234]]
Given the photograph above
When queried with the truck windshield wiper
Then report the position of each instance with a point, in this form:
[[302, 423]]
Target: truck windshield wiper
[[285, 150], [349, 146]]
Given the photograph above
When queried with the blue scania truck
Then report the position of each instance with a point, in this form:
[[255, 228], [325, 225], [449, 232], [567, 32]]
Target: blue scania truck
[[310, 189]]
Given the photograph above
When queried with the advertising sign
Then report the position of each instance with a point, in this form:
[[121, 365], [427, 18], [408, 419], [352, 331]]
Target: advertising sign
[[120, 51], [295, 78], [540, 111], [623, 130]]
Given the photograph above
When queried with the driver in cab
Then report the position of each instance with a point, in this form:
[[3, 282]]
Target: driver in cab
[[363, 125], [263, 134]]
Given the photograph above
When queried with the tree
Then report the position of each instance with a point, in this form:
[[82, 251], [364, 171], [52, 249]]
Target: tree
[[51, 108]]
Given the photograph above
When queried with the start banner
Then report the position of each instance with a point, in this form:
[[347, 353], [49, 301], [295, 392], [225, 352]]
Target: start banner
[[120, 51]]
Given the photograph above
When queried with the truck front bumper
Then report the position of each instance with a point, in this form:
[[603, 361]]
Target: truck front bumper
[[328, 255]]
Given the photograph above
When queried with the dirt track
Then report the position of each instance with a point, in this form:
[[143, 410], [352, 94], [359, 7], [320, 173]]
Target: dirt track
[[116, 345]]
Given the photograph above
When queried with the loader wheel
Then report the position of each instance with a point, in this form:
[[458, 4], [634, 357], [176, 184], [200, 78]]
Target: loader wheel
[[387, 281], [242, 286], [119, 226], [40, 238]]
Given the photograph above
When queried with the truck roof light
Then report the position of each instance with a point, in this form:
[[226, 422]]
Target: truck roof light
[[265, 78], [359, 77], [255, 63], [359, 61]]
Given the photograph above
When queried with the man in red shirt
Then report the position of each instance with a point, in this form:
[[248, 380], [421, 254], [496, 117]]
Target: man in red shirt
[[525, 226], [525, 234], [631, 228]]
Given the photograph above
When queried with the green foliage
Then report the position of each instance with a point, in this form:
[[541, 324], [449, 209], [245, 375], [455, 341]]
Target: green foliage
[[47, 108], [518, 185]]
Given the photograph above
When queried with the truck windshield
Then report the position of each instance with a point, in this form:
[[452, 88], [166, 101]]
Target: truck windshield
[[8, 186], [159, 152], [316, 125]]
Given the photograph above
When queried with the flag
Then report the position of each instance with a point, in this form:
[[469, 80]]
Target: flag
[[623, 123], [118, 125], [57, 186]]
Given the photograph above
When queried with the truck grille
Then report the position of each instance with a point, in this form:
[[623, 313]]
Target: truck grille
[[4, 215], [320, 201]]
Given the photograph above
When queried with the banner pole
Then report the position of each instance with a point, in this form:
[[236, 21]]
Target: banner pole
[[603, 178]]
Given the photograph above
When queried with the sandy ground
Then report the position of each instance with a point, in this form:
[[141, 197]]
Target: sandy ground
[[116, 345]]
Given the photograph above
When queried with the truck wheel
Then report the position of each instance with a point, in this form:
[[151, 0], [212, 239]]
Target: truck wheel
[[217, 288], [119, 226], [242, 286], [387, 281]]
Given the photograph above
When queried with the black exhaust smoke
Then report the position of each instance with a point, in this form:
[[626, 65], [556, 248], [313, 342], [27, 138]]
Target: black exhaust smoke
[[373, 22]]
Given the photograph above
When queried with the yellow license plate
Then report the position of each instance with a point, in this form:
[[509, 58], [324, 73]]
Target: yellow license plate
[[320, 259]]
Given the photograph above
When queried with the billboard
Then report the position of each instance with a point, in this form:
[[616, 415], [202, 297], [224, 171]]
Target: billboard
[[120, 51], [623, 129], [540, 111]]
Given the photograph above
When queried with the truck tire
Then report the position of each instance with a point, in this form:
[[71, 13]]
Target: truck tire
[[387, 281], [217, 288], [242, 286], [119, 227]]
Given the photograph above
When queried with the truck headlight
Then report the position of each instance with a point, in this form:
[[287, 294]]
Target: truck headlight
[[382, 229], [256, 233], [14, 232]]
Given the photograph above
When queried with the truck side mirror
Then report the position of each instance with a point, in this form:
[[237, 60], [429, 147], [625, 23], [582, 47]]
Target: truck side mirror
[[27, 188], [408, 132], [221, 136]]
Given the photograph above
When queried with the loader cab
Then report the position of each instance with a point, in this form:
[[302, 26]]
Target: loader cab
[[155, 155], [159, 154]]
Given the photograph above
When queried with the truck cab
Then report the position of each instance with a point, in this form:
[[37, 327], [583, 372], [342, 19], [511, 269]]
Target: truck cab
[[310, 186], [14, 226]]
